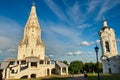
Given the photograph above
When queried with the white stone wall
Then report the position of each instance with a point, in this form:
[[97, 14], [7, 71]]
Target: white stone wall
[[113, 64], [31, 44], [40, 71], [107, 35]]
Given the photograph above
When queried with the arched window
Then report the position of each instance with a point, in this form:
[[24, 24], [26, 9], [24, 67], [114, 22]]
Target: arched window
[[33, 76], [32, 52], [107, 46]]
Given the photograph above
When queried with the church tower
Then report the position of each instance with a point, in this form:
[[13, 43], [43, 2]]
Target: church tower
[[108, 41], [31, 44], [110, 57]]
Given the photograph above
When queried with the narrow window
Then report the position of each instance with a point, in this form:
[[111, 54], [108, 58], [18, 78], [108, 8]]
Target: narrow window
[[31, 51], [107, 46], [23, 56]]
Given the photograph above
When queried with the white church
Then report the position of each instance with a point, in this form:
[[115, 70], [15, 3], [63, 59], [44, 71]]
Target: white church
[[110, 57], [31, 61]]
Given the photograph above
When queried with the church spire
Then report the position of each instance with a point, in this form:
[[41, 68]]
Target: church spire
[[33, 20], [104, 22], [31, 41]]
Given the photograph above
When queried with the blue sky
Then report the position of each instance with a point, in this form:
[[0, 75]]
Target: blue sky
[[69, 27]]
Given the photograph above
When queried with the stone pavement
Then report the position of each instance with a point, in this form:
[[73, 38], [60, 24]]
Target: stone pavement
[[77, 77]]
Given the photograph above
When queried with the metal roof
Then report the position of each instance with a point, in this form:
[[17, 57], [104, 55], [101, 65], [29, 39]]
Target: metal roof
[[61, 64], [4, 64]]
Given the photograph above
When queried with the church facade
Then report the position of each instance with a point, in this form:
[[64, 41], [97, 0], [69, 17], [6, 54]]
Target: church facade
[[31, 61], [110, 58]]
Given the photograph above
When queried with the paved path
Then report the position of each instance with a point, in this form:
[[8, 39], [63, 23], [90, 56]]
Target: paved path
[[77, 77]]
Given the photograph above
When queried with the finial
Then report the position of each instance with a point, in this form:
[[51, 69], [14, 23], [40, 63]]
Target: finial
[[33, 4], [104, 18], [104, 22]]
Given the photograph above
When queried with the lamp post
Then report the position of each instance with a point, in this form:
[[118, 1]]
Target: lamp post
[[96, 50]]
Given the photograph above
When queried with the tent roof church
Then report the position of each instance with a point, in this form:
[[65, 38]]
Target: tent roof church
[[31, 61]]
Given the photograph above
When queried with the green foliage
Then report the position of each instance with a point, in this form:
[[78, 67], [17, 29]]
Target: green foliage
[[75, 66], [90, 67], [65, 62]]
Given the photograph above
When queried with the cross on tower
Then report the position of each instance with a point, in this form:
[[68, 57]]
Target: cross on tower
[[33, 3]]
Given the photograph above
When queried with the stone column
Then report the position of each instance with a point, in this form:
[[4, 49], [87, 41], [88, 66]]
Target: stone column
[[45, 61], [29, 64], [66, 70], [37, 64], [18, 68], [104, 48], [46, 72], [8, 73], [49, 71], [50, 62], [19, 62], [29, 76], [3, 73], [60, 70], [15, 63]]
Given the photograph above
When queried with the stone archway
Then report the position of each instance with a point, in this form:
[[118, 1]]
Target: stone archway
[[48, 72], [53, 70], [24, 77], [33, 75]]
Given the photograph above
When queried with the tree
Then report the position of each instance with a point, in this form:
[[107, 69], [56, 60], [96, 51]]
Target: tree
[[76, 66], [100, 67], [89, 67], [65, 62]]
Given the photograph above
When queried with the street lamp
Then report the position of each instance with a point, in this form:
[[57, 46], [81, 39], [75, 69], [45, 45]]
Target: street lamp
[[96, 50]]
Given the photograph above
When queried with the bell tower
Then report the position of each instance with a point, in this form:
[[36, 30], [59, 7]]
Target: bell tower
[[31, 44], [107, 40]]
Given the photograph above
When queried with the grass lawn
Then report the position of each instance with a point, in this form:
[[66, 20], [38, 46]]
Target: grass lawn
[[90, 77], [104, 77], [55, 77]]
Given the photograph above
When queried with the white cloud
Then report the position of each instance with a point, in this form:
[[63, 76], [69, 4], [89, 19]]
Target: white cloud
[[57, 10], [74, 13], [85, 43], [118, 40], [107, 5], [66, 32], [84, 25], [98, 41], [78, 52], [11, 50], [92, 42], [92, 5], [51, 55], [9, 32], [95, 42], [5, 42], [89, 52], [69, 53], [0, 51]]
